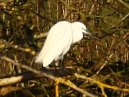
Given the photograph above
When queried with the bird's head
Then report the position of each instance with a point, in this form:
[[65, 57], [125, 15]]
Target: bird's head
[[79, 31], [81, 27]]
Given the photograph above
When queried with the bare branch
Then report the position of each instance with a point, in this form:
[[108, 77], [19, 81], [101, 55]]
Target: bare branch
[[59, 79], [100, 84], [125, 4]]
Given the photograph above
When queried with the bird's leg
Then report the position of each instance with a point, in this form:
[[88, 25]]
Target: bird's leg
[[62, 62], [56, 65], [61, 66], [59, 63]]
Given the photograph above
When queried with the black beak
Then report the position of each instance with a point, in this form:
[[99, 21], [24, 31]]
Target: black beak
[[88, 34]]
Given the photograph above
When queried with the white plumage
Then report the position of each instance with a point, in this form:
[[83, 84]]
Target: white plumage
[[60, 37]]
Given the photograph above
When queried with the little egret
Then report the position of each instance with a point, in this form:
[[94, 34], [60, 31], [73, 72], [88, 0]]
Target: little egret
[[60, 37]]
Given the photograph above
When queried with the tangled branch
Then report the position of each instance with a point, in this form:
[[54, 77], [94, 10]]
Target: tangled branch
[[56, 79]]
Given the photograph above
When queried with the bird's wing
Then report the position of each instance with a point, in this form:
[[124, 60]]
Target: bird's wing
[[58, 40]]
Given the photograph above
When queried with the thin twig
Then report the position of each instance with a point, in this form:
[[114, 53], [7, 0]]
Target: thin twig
[[100, 84], [125, 4], [5, 44]]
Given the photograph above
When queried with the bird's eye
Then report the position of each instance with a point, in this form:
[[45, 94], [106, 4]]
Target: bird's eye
[[83, 28]]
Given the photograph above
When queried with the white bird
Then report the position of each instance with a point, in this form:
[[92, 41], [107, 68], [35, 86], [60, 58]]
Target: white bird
[[60, 37]]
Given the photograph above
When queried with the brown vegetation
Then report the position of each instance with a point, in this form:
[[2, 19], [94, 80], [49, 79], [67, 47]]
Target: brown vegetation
[[93, 67]]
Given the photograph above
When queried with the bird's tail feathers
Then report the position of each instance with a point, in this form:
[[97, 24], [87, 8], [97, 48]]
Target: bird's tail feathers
[[39, 59]]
